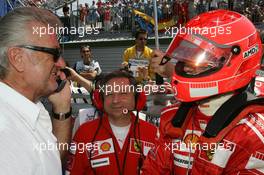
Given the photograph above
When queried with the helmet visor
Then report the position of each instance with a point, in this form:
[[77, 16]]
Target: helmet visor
[[197, 57]]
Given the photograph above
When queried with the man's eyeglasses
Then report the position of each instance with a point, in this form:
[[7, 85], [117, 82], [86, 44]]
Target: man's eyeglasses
[[56, 52]]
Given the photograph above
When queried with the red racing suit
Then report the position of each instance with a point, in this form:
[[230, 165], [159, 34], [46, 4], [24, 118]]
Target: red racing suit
[[102, 152], [237, 149]]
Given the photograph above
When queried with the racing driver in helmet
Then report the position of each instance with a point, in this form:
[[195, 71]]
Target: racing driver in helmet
[[218, 125]]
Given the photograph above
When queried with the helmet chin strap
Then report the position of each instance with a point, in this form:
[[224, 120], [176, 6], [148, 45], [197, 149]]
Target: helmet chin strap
[[210, 106]]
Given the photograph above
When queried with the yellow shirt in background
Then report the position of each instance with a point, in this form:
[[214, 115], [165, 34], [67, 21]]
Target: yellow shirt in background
[[131, 53]]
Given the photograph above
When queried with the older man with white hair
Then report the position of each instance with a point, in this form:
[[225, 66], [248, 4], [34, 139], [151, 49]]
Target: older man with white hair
[[29, 67]]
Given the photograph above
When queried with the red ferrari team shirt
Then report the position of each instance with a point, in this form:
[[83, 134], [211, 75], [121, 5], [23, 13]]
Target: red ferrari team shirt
[[239, 149], [99, 153]]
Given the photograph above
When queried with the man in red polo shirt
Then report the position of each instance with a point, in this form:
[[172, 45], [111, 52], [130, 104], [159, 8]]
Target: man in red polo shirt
[[118, 141]]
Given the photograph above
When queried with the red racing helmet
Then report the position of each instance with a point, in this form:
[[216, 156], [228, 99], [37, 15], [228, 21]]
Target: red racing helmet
[[216, 52]]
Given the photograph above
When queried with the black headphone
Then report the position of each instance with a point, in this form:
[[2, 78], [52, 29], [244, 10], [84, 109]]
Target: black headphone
[[97, 95]]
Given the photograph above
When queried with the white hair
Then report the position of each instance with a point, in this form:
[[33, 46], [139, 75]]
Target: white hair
[[14, 30]]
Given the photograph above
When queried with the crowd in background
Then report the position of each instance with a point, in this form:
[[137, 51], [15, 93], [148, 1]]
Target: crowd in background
[[105, 17], [119, 15], [101, 10], [109, 16]]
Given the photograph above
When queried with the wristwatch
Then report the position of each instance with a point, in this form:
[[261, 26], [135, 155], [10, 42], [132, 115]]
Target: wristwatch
[[61, 115]]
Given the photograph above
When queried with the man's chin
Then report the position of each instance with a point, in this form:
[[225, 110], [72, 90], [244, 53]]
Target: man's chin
[[118, 114]]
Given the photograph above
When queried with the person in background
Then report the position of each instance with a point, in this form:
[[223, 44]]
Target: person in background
[[87, 13], [31, 139], [93, 15], [87, 67], [137, 58], [100, 11], [107, 18], [66, 23], [83, 14]]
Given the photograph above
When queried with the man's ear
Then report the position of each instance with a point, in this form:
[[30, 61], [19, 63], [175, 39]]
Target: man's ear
[[16, 58]]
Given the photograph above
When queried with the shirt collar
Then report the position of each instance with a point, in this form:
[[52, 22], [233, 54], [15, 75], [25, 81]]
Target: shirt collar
[[142, 52], [27, 110], [106, 123]]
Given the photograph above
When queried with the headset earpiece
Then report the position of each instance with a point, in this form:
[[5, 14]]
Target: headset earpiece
[[141, 99], [97, 100]]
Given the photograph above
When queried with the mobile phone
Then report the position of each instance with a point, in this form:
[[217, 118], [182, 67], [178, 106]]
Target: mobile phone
[[164, 60], [61, 85], [66, 71]]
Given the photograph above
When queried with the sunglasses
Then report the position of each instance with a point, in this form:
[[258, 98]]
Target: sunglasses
[[143, 39], [56, 52], [86, 51]]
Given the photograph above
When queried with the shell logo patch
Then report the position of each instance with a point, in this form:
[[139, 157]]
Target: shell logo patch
[[105, 146]]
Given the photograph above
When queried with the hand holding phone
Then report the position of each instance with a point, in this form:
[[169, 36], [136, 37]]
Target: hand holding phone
[[66, 71], [61, 98], [61, 85]]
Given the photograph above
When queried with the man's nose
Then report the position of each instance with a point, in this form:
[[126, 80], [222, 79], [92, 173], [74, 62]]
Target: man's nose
[[116, 98]]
